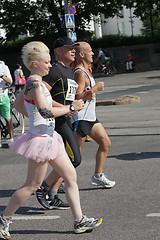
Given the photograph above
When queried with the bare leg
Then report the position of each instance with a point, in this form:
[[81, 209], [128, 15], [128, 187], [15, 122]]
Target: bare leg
[[35, 176], [99, 134], [54, 180], [65, 169], [9, 127]]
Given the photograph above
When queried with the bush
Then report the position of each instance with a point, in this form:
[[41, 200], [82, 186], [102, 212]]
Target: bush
[[118, 41], [105, 42]]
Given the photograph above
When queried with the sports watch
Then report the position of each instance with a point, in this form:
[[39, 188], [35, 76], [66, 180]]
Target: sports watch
[[72, 108]]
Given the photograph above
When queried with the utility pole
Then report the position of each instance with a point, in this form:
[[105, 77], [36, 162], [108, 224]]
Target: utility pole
[[131, 21], [68, 30]]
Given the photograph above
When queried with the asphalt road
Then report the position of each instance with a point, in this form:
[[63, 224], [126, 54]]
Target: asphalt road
[[130, 210]]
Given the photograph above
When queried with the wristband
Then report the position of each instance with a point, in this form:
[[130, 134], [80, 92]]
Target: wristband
[[2, 76]]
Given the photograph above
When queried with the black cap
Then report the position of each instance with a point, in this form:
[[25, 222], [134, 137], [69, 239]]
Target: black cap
[[65, 41]]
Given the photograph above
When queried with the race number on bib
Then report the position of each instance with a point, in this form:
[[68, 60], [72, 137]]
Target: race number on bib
[[72, 88]]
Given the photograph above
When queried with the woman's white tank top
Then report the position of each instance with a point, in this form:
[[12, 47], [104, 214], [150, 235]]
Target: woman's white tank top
[[37, 124]]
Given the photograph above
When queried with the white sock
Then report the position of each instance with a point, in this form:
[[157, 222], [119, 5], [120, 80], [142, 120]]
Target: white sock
[[98, 175]]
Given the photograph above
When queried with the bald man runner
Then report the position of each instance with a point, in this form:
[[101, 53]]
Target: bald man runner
[[85, 121]]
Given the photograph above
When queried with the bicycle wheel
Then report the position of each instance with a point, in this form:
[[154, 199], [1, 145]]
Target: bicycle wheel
[[17, 121], [113, 70], [3, 128]]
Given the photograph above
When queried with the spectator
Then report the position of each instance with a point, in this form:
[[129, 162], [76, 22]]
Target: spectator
[[5, 112], [130, 62], [19, 79]]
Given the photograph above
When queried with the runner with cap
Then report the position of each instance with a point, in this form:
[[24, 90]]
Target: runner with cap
[[60, 82]]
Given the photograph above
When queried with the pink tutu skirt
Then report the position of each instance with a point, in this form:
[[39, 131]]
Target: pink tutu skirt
[[38, 148]]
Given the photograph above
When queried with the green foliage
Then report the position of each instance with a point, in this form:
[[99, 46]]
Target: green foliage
[[148, 11], [118, 41], [146, 31], [42, 17], [105, 42]]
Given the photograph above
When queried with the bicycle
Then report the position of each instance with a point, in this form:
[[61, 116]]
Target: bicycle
[[104, 70], [17, 119]]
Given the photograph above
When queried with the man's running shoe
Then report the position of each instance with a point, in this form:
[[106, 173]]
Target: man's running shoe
[[102, 180], [42, 197], [4, 228], [86, 224], [61, 188], [57, 203], [50, 203]]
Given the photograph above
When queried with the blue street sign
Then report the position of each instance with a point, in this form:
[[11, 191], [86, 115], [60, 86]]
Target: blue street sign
[[69, 19], [71, 10], [73, 36]]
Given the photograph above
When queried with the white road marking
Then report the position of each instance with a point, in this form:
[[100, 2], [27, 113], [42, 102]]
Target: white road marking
[[27, 217], [142, 92], [153, 215]]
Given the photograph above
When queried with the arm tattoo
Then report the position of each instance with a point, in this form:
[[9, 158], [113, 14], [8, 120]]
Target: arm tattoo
[[30, 85], [45, 113]]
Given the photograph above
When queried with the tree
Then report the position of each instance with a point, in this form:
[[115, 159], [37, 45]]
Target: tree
[[43, 17], [147, 10]]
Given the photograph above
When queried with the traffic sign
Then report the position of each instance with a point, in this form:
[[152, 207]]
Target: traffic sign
[[71, 9], [69, 19], [73, 36]]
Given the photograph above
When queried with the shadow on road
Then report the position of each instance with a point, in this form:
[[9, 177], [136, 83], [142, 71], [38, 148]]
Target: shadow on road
[[152, 77], [136, 156], [27, 210]]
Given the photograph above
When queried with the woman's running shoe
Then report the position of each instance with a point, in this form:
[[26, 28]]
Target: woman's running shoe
[[86, 224], [4, 228]]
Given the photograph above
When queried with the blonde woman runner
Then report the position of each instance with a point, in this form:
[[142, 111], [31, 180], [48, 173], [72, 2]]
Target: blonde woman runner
[[41, 144]]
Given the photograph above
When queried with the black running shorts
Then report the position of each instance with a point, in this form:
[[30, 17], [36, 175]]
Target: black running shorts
[[84, 127]]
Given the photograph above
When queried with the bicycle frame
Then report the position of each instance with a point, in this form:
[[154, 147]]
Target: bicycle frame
[[17, 118]]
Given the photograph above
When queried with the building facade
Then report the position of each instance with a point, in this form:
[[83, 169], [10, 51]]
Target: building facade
[[127, 25]]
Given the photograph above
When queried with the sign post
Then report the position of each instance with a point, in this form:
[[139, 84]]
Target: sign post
[[68, 19]]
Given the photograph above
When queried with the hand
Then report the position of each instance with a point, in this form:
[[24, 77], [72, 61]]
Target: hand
[[69, 114], [100, 86], [78, 104], [88, 95]]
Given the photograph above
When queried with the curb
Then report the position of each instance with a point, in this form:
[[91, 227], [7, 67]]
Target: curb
[[118, 101]]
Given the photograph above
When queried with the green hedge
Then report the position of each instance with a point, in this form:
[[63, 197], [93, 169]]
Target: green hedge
[[16, 46], [106, 41], [118, 41]]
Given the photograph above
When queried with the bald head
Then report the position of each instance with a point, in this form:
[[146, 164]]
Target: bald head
[[81, 47], [84, 53]]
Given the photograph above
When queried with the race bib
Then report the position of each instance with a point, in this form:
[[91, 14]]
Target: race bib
[[72, 88]]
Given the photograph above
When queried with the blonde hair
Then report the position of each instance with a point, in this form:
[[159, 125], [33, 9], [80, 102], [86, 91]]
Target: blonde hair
[[33, 51]]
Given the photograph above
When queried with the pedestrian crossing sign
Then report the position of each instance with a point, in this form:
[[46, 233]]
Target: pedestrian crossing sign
[[73, 37], [69, 19]]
